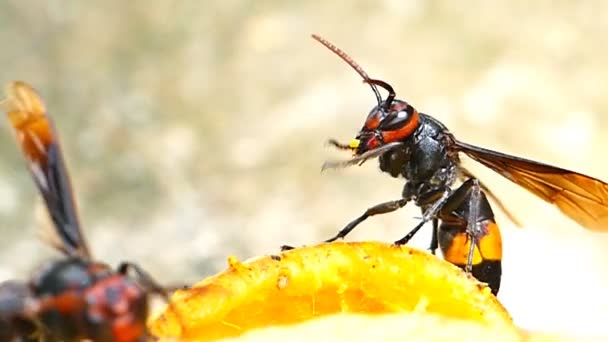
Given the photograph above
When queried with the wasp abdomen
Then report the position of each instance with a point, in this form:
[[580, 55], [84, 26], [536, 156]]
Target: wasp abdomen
[[455, 243]]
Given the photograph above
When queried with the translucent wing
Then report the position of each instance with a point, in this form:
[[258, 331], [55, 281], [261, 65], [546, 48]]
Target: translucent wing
[[582, 198], [39, 144]]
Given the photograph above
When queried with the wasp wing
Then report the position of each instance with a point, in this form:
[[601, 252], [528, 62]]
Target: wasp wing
[[582, 198], [465, 174], [39, 144]]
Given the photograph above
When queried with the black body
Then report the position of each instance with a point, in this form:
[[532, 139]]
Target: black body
[[423, 160]]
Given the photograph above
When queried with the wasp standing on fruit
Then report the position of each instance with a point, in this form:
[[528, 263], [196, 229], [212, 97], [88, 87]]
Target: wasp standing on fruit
[[420, 149], [75, 297]]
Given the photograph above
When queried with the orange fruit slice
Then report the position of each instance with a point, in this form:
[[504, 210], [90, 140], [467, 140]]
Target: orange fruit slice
[[295, 286]]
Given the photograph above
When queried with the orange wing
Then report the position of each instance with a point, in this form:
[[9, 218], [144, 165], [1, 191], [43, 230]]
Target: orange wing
[[582, 198], [39, 144]]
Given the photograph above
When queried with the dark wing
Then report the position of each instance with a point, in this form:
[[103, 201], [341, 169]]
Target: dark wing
[[39, 144], [582, 198]]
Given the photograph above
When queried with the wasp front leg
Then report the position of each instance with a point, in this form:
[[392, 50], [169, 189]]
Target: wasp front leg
[[378, 209], [469, 236], [382, 208]]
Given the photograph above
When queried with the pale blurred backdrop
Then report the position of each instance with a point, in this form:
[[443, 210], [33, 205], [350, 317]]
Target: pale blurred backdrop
[[195, 130]]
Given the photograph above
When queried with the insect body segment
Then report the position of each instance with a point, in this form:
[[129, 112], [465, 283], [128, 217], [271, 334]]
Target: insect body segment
[[467, 223]]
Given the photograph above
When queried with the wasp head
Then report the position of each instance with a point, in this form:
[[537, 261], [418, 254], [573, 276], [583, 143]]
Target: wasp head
[[390, 121]]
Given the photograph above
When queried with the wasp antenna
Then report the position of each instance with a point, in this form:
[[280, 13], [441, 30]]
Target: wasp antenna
[[387, 87], [345, 57]]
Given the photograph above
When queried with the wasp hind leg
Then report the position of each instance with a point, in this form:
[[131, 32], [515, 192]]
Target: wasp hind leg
[[434, 240], [469, 236]]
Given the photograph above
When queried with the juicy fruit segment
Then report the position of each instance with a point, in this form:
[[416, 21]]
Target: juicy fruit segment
[[304, 283]]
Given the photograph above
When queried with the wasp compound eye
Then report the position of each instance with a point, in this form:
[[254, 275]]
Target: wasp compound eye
[[395, 120], [374, 118]]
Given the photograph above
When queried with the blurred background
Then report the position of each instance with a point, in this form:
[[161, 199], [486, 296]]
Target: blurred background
[[196, 130]]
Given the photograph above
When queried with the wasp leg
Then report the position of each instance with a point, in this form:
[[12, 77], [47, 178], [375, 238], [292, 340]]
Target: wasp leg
[[434, 240], [472, 228], [145, 279], [429, 214], [410, 235], [40, 333], [381, 208], [149, 284]]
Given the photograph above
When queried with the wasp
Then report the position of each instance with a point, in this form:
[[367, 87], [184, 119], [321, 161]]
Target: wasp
[[75, 297], [420, 149]]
